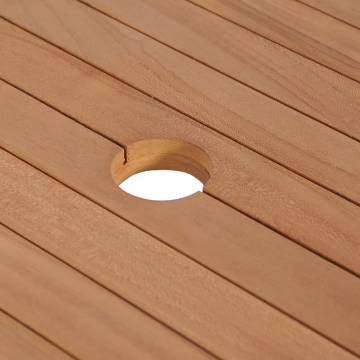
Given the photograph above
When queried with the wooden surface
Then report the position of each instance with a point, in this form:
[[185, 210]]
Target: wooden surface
[[264, 264], [297, 27], [19, 342], [91, 322], [205, 37], [346, 10]]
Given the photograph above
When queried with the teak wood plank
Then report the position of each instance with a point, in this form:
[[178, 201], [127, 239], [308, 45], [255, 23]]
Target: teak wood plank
[[279, 133], [312, 216], [214, 313], [170, 76], [345, 10], [73, 311], [268, 265], [296, 26], [17, 342]]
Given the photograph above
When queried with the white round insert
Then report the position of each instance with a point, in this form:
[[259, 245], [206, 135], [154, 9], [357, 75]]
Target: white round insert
[[162, 185]]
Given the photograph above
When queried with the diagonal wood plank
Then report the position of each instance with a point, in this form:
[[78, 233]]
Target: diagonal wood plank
[[76, 313], [314, 217], [293, 25], [249, 254], [161, 72], [201, 305], [213, 300], [275, 131], [345, 10], [18, 342]]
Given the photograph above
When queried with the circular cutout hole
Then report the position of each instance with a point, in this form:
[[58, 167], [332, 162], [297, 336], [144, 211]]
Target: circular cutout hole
[[161, 169], [162, 185]]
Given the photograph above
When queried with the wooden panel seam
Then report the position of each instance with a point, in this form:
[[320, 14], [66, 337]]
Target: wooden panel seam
[[184, 124], [288, 236], [208, 9], [155, 237], [310, 330], [281, 163], [102, 206], [124, 146], [224, 73], [88, 128], [117, 294], [328, 13], [205, 191], [36, 333], [110, 294], [263, 154], [278, 231]]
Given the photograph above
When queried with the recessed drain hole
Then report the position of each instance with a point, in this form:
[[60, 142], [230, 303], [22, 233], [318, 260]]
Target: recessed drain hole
[[162, 185]]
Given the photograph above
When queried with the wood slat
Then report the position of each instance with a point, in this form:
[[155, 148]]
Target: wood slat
[[70, 158], [284, 135], [345, 10], [295, 280], [316, 218], [297, 27], [206, 308], [73, 311], [165, 74], [18, 342]]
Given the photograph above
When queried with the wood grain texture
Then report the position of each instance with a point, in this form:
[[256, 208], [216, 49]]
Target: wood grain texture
[[282, 134], [282, 301], [249, 254], [307, 213], [165, 74], [297, 27], [84, 318], [345, 10], [211, 311], [17, 342]]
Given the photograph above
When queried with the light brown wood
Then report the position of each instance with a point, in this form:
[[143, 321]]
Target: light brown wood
[[17, 342], [318, 219], [86, 319], [264, 264], [284, 135], [293, 279], [211, 311], [297, 27], [165, 74], [345, 10]]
